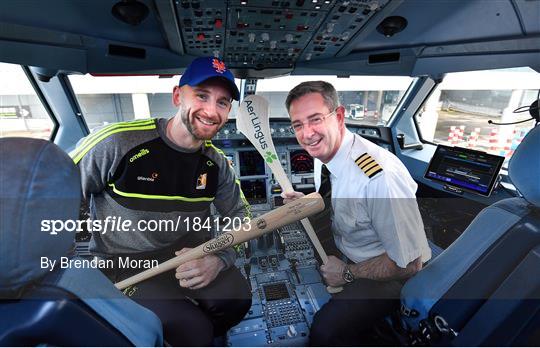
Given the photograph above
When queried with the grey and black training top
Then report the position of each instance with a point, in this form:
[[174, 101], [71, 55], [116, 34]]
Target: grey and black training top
[[133, 171]]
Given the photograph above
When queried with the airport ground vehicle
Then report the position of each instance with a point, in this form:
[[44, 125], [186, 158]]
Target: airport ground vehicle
[[357, 111], [436, 71]]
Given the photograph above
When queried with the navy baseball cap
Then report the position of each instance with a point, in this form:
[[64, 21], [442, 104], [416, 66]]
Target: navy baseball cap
[[204, 68]]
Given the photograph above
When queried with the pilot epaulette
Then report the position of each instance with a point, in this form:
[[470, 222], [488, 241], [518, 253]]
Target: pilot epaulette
[[368, 165]]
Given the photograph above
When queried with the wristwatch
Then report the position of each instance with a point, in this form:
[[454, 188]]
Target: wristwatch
[[347, 275]]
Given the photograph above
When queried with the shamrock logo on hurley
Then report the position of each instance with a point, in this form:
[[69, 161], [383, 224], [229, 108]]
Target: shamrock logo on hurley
[[270, 157]]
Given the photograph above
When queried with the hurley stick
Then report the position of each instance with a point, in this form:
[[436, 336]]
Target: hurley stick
[[254, 123]]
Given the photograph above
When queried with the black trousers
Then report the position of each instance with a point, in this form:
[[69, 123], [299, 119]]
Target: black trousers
[[190, 317], [349, 316]]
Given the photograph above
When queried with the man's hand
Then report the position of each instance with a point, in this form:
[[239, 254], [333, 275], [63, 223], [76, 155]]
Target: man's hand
[[291, 196], [198, 273], [332, 271]]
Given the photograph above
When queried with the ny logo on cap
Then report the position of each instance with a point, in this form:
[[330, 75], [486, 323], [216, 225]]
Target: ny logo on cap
[[219, 66]]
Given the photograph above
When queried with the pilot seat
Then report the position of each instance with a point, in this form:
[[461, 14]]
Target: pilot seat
[[484, 289], [39, 183]]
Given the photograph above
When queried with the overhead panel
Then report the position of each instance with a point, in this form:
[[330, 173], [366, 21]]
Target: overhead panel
[[266, 34], [345, 20], [270, 36], [202, 25]]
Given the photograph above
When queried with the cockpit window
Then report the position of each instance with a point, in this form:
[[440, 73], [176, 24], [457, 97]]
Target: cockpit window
[[459, 111], [22, 113], [367, 99], [109, 99]]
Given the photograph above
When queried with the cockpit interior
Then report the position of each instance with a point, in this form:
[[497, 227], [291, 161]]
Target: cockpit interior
[[450, 87]]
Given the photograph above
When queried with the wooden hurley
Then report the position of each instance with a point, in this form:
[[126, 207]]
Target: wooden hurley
[[254, 123]]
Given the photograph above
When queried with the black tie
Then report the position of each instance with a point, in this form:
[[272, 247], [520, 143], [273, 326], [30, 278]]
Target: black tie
[[322, 221], [325, 190]]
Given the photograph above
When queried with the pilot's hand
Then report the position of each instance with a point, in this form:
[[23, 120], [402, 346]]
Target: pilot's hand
[[198, 273], [291, 196], [332, 271]]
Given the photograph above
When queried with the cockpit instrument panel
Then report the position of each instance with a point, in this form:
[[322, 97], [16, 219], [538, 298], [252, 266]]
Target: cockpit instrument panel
[[251, 163], [301, 162]]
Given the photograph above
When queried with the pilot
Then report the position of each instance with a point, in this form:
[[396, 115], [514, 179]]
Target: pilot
[[161, 176], [375, 221]]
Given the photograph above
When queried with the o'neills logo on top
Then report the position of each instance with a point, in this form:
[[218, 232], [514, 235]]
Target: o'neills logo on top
[[151, 178], [258, 134], [141, 153]]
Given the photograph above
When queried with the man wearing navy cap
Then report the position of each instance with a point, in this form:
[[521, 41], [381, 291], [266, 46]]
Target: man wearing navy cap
[[162, 171]]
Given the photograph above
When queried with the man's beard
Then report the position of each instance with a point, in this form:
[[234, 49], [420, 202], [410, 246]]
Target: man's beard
[[192, 129]]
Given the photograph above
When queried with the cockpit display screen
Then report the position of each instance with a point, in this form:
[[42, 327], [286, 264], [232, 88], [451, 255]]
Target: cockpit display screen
[[273, 292], [301, 162], [466, 169], [251, 163], [254, 190]]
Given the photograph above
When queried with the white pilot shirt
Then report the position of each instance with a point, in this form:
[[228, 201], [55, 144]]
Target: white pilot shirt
[[373, 211]]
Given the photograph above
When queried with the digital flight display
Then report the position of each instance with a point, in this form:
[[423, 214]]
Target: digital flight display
[[301, 162], [251, 163], [274, 292], [467, 169], [254, 190]]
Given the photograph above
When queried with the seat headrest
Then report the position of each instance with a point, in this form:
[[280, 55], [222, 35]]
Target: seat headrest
[[38, 182], [524, 167]]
